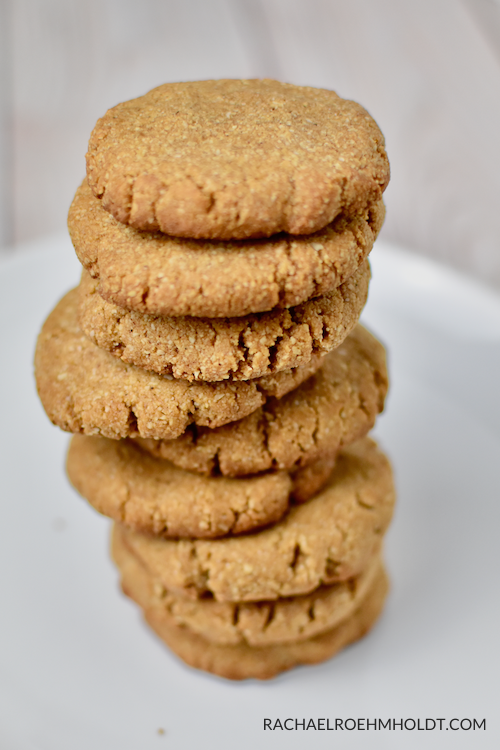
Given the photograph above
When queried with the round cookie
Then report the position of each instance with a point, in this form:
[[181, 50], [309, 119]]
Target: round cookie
[[240, 662], [254, 623], [334, 407], [85, 389], [213, 349], [233, 159], [326, 540], [155, 497], [162, 275]]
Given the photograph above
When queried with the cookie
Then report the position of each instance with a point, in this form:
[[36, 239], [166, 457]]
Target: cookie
[[162, 275], [233, 159], [213, 349], [253, 623], [155, 497], [85, 389], [240, 661], [326, 540], [334, 407]]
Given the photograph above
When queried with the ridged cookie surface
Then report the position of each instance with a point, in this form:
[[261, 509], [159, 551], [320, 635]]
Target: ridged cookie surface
[[240, 661], [326, 540], [155, 497], [254, 623], [213, 349], [85, 389], [334, 407]]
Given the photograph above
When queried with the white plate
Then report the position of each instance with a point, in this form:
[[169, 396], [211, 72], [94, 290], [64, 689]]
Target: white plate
[[78, 669]]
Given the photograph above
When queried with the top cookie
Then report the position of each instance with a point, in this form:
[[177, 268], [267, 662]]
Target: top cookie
[[233, 159]]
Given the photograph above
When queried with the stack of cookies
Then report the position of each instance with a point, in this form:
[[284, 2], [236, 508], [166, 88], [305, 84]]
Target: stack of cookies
[[212, 367]]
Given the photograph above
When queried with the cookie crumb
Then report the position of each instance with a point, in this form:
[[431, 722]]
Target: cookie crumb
[[161, 731]]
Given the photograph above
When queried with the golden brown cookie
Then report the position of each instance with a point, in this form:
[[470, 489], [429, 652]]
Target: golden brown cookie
[[162, 275], [85, 389], [212, 349], [254, 623], [334, 407], [155, 497], [326, 540], [232, 159], [240, 661]]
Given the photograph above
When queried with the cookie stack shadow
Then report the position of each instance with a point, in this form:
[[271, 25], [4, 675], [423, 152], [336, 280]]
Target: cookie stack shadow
[[212, 368]]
